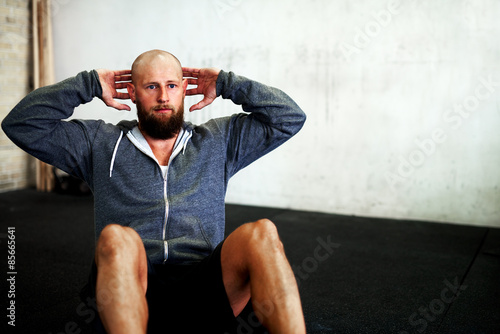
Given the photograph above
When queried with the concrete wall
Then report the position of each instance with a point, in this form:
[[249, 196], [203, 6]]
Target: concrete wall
[[402, 97], [14, 85]]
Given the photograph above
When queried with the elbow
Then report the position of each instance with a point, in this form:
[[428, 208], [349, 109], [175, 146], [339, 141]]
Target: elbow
[[300, 119], [298, 116], [303, 118], [9, 125], [6, 126], [294, 123], [10, 128]]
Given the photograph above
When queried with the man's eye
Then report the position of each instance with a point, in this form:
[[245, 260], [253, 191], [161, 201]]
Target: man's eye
[[151, 87], [171, 86]]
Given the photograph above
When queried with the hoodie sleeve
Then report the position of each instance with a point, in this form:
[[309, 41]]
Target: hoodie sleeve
[[37, 123], [271, 118]]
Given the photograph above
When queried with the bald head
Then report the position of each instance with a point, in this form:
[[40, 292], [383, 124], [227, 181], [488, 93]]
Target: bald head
[[155, 59]]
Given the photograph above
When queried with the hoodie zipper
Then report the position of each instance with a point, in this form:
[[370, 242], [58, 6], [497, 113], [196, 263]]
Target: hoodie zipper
[[165, 243], [177, 150], [181, 147]]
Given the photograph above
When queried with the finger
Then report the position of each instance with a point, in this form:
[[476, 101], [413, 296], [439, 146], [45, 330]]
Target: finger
[[190, 72], [122, 72], [121, 85], [202, 104], [190, 69], [193, 91], [195, 107], [192, 81], [123, 107], [190, 76], [122, 96], [118, 106], [121, 78]]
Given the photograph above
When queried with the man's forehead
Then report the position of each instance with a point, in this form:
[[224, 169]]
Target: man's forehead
[[161, 73], [156, 64], [157, 72]]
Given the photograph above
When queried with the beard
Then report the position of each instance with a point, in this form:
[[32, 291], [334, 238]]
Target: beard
[[160, 126]]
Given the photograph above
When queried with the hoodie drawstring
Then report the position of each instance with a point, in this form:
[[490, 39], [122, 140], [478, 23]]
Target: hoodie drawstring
[[114, 154]]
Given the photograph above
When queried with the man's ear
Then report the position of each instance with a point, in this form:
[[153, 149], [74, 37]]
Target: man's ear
[[131, 91], [184, 86]]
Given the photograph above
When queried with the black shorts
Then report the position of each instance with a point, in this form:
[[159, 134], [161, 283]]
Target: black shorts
[[182, 298]]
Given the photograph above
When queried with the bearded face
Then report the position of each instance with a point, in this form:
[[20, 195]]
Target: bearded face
[[160, 125], [158, 89]]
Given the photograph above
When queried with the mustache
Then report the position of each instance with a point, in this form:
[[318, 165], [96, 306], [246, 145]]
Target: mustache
[[164, 106]]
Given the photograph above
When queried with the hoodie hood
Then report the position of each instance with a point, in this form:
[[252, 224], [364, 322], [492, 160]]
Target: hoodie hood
[[127, 125], [131, 130]]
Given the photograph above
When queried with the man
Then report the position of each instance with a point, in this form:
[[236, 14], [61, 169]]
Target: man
[[159, 186]]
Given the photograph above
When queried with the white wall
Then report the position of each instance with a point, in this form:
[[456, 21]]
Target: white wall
[[402, 97]]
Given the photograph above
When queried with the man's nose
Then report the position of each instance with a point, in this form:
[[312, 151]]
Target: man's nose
[[163, 95]]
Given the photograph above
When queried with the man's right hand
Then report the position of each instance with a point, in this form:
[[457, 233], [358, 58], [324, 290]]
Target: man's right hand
[[111, 81]]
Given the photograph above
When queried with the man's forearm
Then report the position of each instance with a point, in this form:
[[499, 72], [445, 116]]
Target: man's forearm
[[273, 119], [277, 109], [39, 113], [37, 123]]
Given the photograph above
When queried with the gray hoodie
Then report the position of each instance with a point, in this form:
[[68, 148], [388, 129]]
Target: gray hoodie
[[179, 215]]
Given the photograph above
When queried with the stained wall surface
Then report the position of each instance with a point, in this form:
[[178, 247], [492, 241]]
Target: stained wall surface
[[402, 97]]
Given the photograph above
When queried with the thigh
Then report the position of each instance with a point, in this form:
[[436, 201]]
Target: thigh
[[239, 252], [235, 273], [88, 307]]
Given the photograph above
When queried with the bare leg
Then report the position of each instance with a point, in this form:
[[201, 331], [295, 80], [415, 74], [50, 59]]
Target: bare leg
[[254, 265], [121, 280]]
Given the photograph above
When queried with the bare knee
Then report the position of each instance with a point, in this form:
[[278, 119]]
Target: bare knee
[[117, 241], [263, 235]]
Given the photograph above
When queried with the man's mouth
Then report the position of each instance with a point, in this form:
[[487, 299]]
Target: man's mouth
[[163, 109]]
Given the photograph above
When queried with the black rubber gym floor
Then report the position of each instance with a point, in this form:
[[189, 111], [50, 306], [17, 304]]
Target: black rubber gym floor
[[355, 275]]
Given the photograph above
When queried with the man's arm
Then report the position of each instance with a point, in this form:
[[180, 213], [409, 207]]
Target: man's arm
[[272, 116], [37, 123]]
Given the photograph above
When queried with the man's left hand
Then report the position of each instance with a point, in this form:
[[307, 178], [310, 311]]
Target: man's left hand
[[205, 79]]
